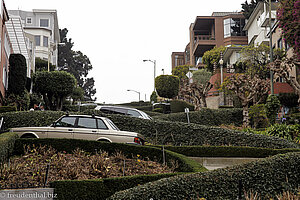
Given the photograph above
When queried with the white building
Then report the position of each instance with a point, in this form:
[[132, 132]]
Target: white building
[[43, 26]]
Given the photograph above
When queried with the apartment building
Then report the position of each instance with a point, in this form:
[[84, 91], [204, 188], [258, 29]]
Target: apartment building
[[42, 26], [220, 29], [181, 58], [5, 51]]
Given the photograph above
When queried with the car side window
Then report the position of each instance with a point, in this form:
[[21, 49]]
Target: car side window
[[134, 113], [120, 111], [101, 124], [84, 122], [66, 122]]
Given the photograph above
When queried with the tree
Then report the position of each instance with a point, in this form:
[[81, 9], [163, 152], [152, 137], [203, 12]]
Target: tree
[[181, 71], [42, 65], [247, 8], [76, 63], [212, 57], [246, 88], [54, 87], [288, 15], [17, 75], [272, 106], [167, 86], [283, 68], [77, 94]]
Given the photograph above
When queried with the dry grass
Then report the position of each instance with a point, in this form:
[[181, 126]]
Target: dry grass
[[284, 196], [79, 165]]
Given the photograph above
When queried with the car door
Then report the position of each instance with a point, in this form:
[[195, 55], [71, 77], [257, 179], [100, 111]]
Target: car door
[[86, 129], [63, 128]]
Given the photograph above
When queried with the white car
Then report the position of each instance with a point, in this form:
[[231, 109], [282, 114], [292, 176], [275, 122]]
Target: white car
[[82, 127], [123, 111]]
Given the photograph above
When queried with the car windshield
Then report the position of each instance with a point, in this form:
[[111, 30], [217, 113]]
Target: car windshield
[[113, 125]]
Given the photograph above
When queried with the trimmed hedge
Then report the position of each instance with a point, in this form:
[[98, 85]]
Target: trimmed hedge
[[160, 132], [209, 117], [7, 141], [267, 177], [179, 106], [223, 151], [103, 188], [4, 109]]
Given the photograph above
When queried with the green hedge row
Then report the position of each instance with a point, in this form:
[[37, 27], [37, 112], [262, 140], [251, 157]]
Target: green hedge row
[[179, 106], [209, 117], [4, 109], [227, 151], [103, 188], [7, 141], [161, 132], [267, 177]]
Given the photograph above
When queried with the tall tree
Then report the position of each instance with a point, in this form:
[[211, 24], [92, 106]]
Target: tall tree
[[76, 63], [212, 57]]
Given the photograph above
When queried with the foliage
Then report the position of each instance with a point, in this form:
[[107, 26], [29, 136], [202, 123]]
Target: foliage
[[289, 132], [212, 57], [258, 116], [256, 59], [77, 94], [55, 87], [181, 71], [283, 68], [76, 63], [227, 151], [289, 100], [272, 107], [179, 106], [167, 86], [153, 97], [7, 141], [206, 116], [42, 65], [247, 88], [288, 15], [17, 75], [21, 102], [4, 109], [269, 176], [247, 8]]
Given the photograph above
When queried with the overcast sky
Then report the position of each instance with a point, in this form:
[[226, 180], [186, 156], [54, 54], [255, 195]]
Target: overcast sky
[[117, 35]]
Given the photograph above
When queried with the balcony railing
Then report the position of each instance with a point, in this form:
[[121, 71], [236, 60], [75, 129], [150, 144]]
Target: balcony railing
[[204, 37]]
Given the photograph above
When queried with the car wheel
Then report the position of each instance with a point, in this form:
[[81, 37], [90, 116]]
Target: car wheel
[[28, 136], [104, 141]]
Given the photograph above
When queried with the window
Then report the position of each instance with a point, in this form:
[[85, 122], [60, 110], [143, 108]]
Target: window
[[44, 22], [134, 113], [37, 39], [28, 20], [45, 41], [279, 44], [66, 122], [101, 124], [84, 122], [234, 27], [113, 125]]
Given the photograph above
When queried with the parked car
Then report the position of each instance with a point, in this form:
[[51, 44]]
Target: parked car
[[123, 111], [82, 127]]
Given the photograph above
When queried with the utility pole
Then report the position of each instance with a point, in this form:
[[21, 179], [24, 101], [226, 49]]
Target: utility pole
[[271, 48]]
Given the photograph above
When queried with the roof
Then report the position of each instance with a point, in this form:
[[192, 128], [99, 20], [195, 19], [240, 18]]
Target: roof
[[282, 88]]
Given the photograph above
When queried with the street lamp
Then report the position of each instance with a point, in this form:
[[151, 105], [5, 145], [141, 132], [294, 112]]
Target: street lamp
[[163, 71], [136, 92], [154, 62], [221, 62]]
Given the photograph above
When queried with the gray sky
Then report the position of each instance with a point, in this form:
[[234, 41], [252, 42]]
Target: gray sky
[[117, 35]]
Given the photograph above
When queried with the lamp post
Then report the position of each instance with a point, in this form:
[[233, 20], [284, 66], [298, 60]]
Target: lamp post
[[154, 62], [271, 49], [136, 92], [163, 71], [221, 62]]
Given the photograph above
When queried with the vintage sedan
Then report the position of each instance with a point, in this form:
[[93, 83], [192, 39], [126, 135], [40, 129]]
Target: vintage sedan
[[82, 127]]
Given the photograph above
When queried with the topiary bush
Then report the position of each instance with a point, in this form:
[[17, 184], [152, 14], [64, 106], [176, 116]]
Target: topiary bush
[[209, 117], [179, 106], [7, 142], [17, 74], [268, 177], [167, 86]]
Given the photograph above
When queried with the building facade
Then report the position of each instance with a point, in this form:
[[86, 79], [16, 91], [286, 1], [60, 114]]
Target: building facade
[[5, 51], [42, 26]]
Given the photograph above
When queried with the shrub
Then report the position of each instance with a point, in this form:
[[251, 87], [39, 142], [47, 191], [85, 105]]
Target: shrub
[[17, 74], [272, 107], [4, 109], [223, 151], [267, 177], [179, 106], [167, 86], [289, 132], [258, 116], [7, 141], [289, 100], [206, 116]]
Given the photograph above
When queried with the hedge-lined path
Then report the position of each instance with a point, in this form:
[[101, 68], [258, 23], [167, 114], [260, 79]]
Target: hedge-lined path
[[212, 163]]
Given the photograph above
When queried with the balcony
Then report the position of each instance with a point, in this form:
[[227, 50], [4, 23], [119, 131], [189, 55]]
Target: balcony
[[203, 43]]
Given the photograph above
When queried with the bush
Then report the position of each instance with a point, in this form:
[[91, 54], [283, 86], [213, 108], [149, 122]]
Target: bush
[[289, 100], [167, 86], [4, 109], [272, 107], [268, 177], [258, 116], [7, 141], [17, 76], [289, 132], [179, 106], [223, 151], [160, 132], [209, 117]]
